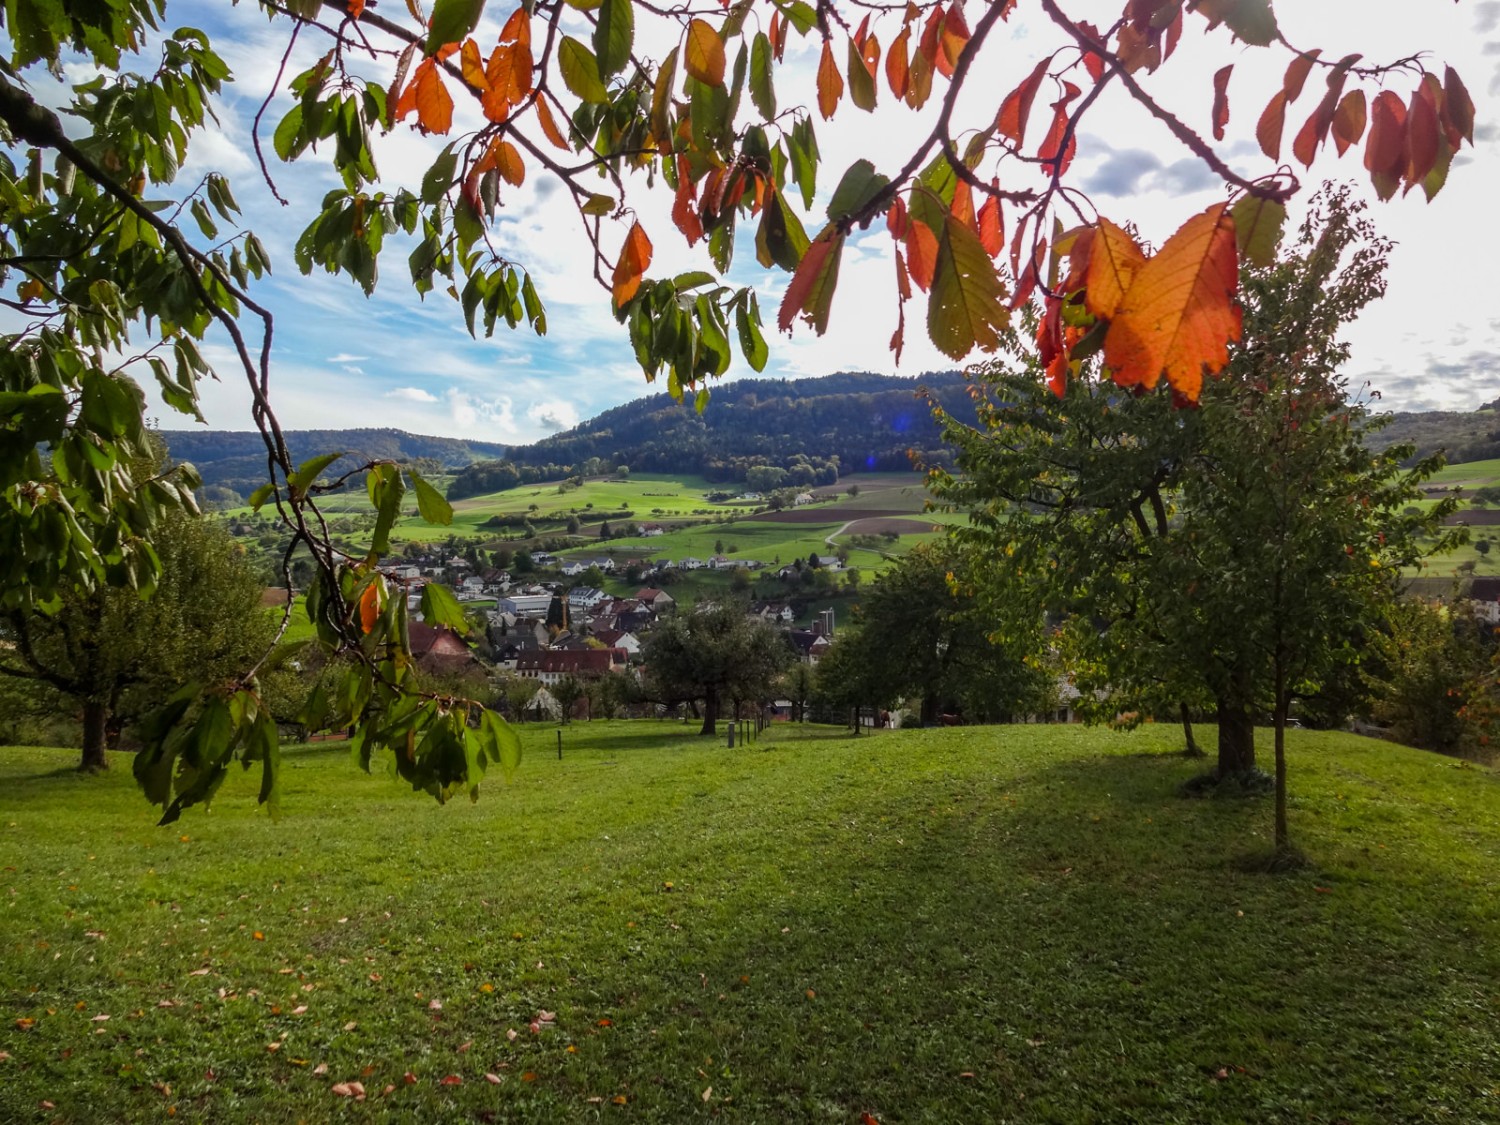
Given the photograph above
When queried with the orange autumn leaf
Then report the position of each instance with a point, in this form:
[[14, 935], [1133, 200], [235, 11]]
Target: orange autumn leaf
[[830, 83], [1422, 135], [356, 9], [1179, 315], [962, 206], [1114, 260], [897, 70], [921, 253], [428, 98], [549, 125], [1272, 122], [635, 258], [517, 29], [1349, 121], [509, 164], [369, 614], [1053, 149], [472, 66]]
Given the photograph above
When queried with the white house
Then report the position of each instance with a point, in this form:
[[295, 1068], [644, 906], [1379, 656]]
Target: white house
[[691, 564], [525, 605]]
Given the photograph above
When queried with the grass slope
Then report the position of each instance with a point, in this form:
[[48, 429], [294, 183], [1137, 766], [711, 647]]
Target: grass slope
[[1018, 923]]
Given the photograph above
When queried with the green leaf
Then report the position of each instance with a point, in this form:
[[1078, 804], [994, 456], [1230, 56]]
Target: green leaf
[[1252, 21], [614, 35], [600, 205], [747, 325], [693, 279], [803, 16], [308, 472], [862, 90], [431, 504], [440, 607], [386, 489], [580, 71], [259, 497], [762, 91], [1257, 228], [504, 744], [860, 184], [452, 21], [780, 239], [965, 307], [439, 177]]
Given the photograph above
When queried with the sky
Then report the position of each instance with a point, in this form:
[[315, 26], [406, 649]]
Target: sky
[[343, 361]]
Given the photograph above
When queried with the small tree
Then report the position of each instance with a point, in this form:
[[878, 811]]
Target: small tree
[[716, 655], [568, 691]]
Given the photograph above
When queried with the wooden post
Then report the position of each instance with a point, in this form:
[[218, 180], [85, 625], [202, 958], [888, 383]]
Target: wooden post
[[559, 746]]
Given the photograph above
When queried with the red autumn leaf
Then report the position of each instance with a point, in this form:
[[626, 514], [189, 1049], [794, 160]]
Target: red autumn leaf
[[451, 1080], [897, 70], [683, 213], [356, 9], [1296, 74], [776, 33], [1016, 108], [921, 253], [1385, 146], [811, 292], [1053, 150], [1179, 316], [1221, 101], [991, 225], [1078, 244], [930, 46], [1422, 136], [635, 258], [1458, 107], [895, 218], [1349, 121], [903, 279], [830, 83], [1030, 277], [1093, 61]]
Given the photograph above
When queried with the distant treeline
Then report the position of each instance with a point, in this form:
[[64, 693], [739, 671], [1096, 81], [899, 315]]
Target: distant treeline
[[813, 430], [1462, 436]]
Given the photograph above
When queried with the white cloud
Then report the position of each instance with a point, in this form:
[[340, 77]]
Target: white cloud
[[412, 394], [553, 416]]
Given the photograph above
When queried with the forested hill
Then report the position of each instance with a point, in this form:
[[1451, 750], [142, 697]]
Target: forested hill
[[1461, 435], [867, 422], [236, 459]]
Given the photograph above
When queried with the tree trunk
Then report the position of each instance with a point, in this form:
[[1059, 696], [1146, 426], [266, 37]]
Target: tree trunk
[[929, 711], [1236, 738], [710, 714], [95, 722], [1283, 837], [1192, 749]]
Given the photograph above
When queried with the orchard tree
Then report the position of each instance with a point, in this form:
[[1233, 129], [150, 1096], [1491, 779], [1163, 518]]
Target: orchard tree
[[1243, 548], [113, 269], [115, 655], [716, 655]]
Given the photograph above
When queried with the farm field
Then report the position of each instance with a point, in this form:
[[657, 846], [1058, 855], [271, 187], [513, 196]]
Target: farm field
[[1011, 923]]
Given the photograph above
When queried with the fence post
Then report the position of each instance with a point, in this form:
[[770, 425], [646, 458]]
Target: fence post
[[559, 745]]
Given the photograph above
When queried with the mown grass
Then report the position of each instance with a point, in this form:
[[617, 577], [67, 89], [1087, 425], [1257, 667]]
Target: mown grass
[[1022, 923]]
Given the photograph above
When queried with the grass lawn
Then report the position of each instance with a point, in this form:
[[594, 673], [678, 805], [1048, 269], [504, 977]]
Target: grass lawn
[[1013, 923]]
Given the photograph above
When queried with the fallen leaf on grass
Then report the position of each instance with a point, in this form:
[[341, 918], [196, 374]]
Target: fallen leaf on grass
[[451, 1080], [258, 936], [708, 1093], [100, 1018], [26, 1023], [966, 1074], [606, 1023], [390, 1089], [811, 994], [409, 1078], [510, 1033], [465, 1046], [492, 1079], [546, 1016], [199, 973], [299, 1009], [273, 1047], [619, 1099], [529, 1076], [350, 1026], [572, 1048], [46, 1105], [868, 1119], [486, 987], [4, 1056], [1324, 890], [434, 1005], [349, 1089], [375, 977], [166, 1003]]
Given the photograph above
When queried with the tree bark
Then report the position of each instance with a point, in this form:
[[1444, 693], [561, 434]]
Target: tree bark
[[1192, 749], [1283, 836], [95, 721], [1236, 738], [710, 714]]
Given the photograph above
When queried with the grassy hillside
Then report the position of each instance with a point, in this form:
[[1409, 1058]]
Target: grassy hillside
[[1022, 924]]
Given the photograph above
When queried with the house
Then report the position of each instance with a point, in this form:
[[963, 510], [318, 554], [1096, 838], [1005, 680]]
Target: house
[[809, 643], [551, 666], [830, 562], [657, 600], [525, 605], [651, 530], [719, 562], [507, 648], [585, 598], [779, 612], [439, 649], [617, 638], [802, 499], [692, 564], [472, 584], [573, 568]]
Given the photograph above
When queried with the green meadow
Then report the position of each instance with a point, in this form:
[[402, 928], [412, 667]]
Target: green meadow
[[1020, 923]]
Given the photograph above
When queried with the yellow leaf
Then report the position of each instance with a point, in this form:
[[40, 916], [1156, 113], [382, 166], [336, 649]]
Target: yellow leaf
[[704, 57]]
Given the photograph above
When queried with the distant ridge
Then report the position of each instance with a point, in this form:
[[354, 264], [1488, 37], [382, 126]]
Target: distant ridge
[[236, 459]]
